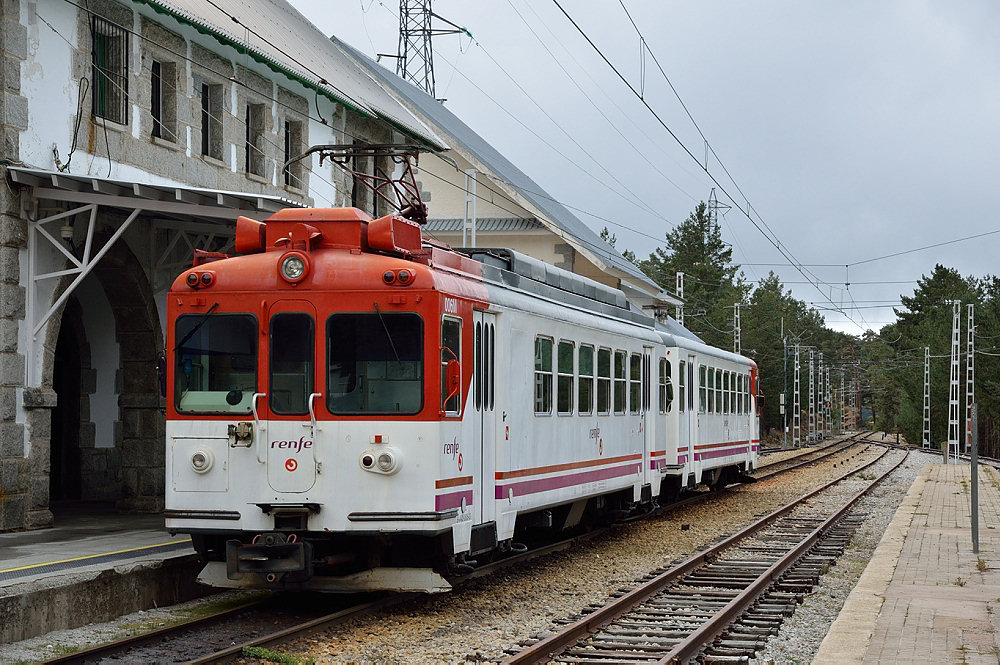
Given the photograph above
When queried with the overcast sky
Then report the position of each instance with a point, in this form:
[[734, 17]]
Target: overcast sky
[[855, 130]]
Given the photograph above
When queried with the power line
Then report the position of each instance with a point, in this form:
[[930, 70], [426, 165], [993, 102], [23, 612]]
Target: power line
[[769, 235]]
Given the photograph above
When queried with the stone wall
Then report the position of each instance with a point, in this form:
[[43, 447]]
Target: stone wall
[[14, 508]]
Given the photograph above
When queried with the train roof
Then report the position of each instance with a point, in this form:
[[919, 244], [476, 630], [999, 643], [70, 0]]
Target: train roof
[[510, 268]]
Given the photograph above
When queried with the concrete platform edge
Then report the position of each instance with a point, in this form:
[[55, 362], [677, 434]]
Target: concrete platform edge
[[76, 599], [850, 635]]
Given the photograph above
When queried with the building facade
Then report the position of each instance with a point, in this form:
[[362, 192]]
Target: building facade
[[134, 132]]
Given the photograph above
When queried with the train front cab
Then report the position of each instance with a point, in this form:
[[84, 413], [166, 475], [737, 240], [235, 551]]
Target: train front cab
[[315, 436]]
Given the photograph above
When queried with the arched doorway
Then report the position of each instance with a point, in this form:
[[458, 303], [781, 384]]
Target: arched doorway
[[64, 455], [106, 430]]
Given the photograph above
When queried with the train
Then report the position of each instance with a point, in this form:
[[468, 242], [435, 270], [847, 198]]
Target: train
[[351, 406]]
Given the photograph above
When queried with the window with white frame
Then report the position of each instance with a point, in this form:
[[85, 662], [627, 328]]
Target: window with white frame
[[543, 375]]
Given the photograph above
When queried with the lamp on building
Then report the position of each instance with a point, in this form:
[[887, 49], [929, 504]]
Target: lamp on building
[[66, 231]]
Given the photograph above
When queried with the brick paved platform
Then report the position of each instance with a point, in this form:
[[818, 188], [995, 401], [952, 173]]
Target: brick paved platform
[[925, 597]]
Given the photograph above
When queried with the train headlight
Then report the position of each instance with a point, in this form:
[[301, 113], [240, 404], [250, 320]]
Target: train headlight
[[383, 460], [202, 461], [293, 267]]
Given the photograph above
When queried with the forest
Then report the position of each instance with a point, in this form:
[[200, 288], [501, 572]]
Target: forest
[[883, 369]]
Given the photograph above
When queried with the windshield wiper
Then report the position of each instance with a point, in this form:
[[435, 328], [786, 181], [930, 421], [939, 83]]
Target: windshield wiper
[[386, 328], [201, 322]]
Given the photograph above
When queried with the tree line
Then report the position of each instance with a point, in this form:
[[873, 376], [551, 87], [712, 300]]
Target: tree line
[[884, 368]]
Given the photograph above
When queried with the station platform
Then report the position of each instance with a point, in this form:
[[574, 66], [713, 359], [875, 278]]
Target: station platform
[[925, 596], [92, 566]]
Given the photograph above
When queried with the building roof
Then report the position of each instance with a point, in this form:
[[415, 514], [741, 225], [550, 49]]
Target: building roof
[[484, 224], [262, 30], [161, 199], [462, 135]]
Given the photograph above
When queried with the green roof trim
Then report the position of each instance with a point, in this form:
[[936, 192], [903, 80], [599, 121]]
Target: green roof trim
[[245, 49]]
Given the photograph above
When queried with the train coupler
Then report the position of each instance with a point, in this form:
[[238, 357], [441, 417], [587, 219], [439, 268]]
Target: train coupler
[[273, 556]]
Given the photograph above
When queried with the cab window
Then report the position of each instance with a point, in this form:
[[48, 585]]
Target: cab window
[[292, 350], [375, 363], [216, 356]]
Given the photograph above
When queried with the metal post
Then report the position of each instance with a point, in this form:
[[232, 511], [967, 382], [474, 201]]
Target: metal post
[[796, 405], [974, 459], [926, 442], [970, 373], [820, 399], [784, 386], [828, 403], [469, 222], [842, 402], [736, 328], [811, 437], [680, 295], [952, 451]]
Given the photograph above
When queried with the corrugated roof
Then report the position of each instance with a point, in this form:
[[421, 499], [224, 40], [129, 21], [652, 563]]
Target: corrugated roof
[[463, 135], [273, 32], [485, 224]]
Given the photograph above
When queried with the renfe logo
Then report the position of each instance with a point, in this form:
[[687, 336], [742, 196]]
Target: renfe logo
[[451, 448], [296, 445]]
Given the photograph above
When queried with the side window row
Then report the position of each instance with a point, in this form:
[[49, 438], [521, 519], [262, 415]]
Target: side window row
[[615, 379], [723, 391]]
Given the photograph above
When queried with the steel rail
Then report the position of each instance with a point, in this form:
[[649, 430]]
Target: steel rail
[[689, 647], [103, 650], [850, 441], [544, 649], [280, 637]]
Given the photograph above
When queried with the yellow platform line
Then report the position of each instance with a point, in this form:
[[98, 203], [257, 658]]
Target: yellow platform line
[[94, 556]]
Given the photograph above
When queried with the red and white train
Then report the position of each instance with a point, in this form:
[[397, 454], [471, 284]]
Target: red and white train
[[351, 407]]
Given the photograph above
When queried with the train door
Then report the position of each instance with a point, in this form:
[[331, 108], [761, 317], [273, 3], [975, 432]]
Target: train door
[[647, 422], [484, 402], [290, 447], [689, 420]]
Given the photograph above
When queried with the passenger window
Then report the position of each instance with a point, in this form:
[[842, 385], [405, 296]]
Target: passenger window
[[702, 390], [564, 387], [620, 381], [603, 381], [718, 391], [543, 375], [585, 384], [634, 382], [478, 388], [680, 385], [292, 351], [666, 388], [725, 392]]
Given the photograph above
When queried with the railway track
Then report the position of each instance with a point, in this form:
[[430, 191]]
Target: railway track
[[719, 605], [186, 638], [809, 457]]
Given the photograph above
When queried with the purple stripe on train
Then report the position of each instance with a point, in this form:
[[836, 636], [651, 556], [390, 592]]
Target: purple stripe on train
[[558, 482], [453, 500], [725, 452]]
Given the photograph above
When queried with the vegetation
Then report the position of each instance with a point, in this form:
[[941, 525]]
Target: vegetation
[[270, 656], [886, 365]]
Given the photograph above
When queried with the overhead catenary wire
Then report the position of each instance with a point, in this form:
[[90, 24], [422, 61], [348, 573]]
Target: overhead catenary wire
[[761, 226]]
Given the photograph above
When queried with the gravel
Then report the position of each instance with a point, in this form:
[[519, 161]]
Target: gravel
[[478, 621]]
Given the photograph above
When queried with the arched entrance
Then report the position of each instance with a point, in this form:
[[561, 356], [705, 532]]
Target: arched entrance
[[72, 353], [106, 434]]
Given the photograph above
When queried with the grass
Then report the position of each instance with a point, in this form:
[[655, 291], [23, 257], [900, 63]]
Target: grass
[[959, 581], [981, 565], [275, 657]]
